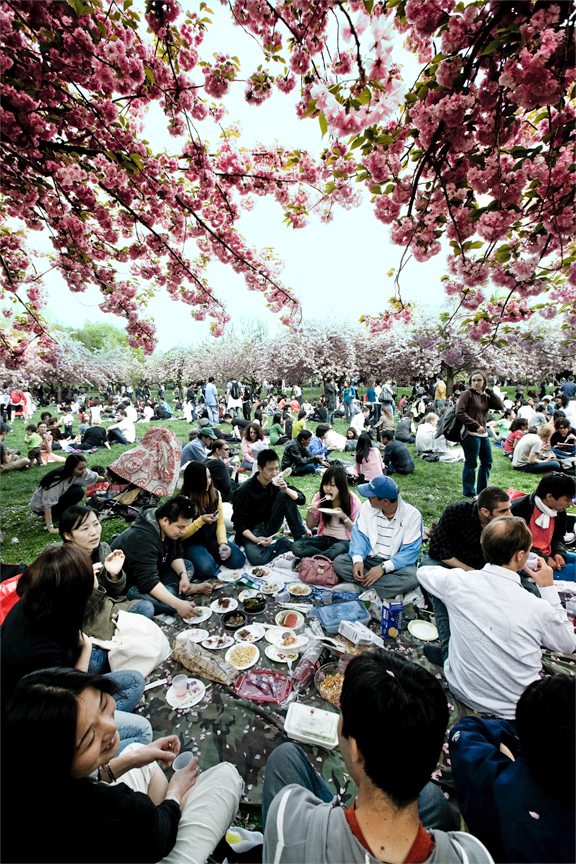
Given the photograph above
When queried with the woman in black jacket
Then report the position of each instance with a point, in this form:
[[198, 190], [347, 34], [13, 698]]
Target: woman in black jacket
[[472, 411], [65, 719]]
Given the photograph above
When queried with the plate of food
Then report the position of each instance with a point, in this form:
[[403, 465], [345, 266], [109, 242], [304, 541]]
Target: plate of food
[[224, 604], [243, 655], [283, 637], [299, 589], [328, 510], [195, 634], [279, 656], [201, 614], [271, 587], [230, 575], [289, 618], [250, 633], [247, 594], [260, 573], [217, 642], [195, 691]]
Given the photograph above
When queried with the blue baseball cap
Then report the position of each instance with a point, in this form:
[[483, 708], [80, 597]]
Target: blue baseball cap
[[380, 487]]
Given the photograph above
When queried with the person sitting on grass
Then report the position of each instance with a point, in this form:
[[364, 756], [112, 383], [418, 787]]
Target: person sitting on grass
[[68, 717], [385, 543], [397, 458], [563, 441], [515, 781], [527, 452], [351, 439], [223, 470], [94, 436], [260, 506], [197, 448], [425, 434], [368, 461], [318, 445], [277, 431], [33, 440], [359, 421], [252, 434], [10, 461], [399, 814], [335, 528], [298, 457], [154, 564], [123, 431], [491, 645], [544, 511], [61, 488]]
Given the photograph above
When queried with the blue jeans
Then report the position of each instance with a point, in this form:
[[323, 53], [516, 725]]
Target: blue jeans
[[206, 559], [563, 454], [568, 572], [213, 413], [540, 467], [131, 684], [116, 437], [475, 447], [440, 610], [289, 764], [172, 586], [330, 547], [299, 470], [133, 729], [347, 411]]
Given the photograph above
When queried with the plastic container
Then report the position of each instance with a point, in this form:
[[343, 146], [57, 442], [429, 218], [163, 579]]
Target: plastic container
[[321, 673], [351, 610], [312, 726], [263, 685]]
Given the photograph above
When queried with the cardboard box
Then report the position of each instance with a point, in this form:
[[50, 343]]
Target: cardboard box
[[359, 634]]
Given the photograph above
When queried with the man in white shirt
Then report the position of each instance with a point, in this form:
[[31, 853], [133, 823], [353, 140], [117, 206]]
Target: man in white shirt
[[425, 433], [525, 412], [359, 420], [123, 431], [385, 543], [496, 627]]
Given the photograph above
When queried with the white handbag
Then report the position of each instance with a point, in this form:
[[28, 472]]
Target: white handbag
[[138, 643]]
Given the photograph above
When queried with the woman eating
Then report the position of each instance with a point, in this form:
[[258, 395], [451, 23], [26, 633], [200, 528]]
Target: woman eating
[[334, 528], [61, 488], [204, 541], [99, 806], [44, 629]]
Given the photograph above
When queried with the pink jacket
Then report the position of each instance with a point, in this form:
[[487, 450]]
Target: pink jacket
[[355, 509], [247, 450], [372, 466]]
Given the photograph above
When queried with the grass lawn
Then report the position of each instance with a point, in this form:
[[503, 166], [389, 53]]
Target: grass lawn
[[432, 486]]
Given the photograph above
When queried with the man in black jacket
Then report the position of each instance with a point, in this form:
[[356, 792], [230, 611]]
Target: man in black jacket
[[260, 506], [330, 397], [297, 456], [154, 564], [544, 511]]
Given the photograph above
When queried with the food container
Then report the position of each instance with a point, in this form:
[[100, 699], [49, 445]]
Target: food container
[[235, 616], [255, 605], [329, 671], [312, 725], [263, 685], [351, 610]]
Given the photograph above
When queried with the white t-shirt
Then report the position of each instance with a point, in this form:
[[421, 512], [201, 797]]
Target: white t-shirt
[[526, 412], [425, 437], [527, 445], [357, 422]]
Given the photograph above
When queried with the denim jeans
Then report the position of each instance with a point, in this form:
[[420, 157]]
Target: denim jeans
[[300, 470], [474, 448], [206, 559], [289, 764], [172, 586], [213, 413], [347, 411], [131, 684], [330, 547], [133, 729], [540, 467], [116, 437], [330, 416]]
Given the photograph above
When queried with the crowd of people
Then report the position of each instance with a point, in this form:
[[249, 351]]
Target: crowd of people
[[489, 573]]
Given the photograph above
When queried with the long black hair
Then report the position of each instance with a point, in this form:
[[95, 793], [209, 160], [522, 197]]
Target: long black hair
[[194, 488], [338, 475], [63, 473], [363, 447], [72, 518]]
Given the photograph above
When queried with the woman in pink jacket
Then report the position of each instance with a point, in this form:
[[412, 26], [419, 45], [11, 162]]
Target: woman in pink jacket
[[334, 527], [368, 462]]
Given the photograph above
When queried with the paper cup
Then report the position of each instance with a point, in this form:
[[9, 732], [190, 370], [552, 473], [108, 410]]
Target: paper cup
[[182, 761], [180, 683]]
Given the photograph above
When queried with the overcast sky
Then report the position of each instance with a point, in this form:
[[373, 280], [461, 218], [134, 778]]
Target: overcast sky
[[337, 269]]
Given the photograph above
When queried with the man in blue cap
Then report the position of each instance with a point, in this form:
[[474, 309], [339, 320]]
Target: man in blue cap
[[385, 543]]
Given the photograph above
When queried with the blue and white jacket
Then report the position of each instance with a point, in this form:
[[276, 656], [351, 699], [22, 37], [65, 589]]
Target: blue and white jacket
[[406, 538]]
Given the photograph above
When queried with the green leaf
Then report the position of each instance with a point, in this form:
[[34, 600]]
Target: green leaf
[[323, 124], [149, 74], [376, 189]]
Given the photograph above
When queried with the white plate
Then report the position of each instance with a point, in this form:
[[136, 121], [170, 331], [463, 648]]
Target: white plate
[[329, 510], [271, 587], [274, 637], [217, 643], [254, 653], [204, 613], [195, 692], [423, 630], [195, 634], [299, 589], [229, 575], [279, 656], [284, 612], [255, 633], [230, 607], [247, 593]]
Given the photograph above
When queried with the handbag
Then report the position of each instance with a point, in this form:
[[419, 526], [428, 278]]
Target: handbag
[[318, 570], [138, 644]]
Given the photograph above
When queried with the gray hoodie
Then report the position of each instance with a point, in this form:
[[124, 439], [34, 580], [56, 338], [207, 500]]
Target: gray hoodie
[[301, 829]]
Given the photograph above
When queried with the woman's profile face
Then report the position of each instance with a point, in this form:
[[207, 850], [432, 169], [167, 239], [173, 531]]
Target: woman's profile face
[[80, 469], [86, 535], [208, 479], [97, 738]]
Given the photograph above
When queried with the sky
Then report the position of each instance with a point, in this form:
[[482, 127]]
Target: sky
[[337, 270]]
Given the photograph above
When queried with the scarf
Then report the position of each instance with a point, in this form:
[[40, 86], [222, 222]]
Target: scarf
[[546, 513]]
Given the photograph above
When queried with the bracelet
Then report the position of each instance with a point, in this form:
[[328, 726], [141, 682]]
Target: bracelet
[[109, 772], [51, 525]]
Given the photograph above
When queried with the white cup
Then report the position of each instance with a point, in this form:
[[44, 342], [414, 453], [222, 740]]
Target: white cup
[[182, 761], [180, 684]]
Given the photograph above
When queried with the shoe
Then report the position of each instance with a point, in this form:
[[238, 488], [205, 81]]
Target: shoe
[[570, 537], [434, 654], [471, 495]]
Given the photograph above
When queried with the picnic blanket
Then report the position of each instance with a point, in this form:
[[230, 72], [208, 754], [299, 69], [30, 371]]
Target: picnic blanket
[[154, 463], [225, 727]]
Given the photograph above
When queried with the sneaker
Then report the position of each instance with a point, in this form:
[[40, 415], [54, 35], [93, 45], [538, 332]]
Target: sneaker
[[570, 537], [434, 654]]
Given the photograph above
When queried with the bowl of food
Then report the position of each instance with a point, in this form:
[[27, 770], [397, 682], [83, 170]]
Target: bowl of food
[[254, 605], [234, 619], [299, 589], [329, 680]]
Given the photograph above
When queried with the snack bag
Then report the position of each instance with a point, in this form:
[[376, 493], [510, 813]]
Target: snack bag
[[391, 622]]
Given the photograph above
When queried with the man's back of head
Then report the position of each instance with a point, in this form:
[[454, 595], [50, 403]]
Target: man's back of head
[[397, 714], [502, 538]]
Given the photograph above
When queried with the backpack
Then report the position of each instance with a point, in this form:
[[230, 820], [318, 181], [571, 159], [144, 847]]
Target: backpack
[[235, 390], [449, 425]]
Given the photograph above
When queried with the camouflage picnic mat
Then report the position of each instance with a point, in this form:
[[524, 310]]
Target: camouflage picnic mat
[[225, 727]]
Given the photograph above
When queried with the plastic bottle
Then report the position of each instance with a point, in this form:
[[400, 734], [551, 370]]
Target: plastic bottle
[[314, 657]]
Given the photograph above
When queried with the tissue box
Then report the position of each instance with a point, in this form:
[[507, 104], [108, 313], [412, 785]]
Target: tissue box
[[359, 634]]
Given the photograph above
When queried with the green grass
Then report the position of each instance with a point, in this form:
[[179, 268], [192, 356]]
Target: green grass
[[430, 488]]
